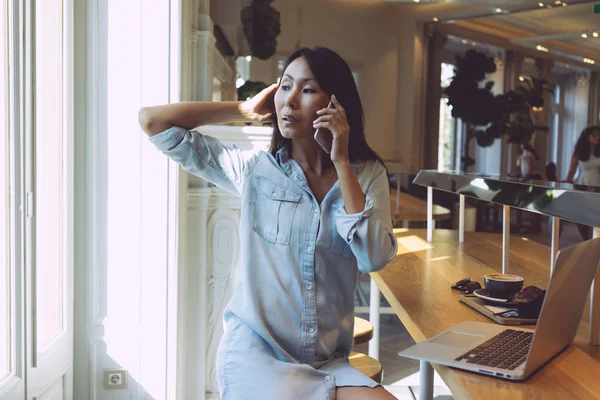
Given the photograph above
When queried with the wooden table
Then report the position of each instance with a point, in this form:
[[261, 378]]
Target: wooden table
[[406, 208], [417, 285]]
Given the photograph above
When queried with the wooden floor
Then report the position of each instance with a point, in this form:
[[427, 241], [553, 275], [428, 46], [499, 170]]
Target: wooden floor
[[401, 374]]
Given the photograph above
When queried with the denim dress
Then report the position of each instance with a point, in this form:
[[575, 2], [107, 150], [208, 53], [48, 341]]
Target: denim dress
[[289, 324]]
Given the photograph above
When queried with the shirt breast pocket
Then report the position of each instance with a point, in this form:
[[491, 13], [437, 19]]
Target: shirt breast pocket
[[275, 206]]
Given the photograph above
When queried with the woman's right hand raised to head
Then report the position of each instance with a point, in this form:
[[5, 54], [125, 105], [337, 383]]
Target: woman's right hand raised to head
[[261, 106]]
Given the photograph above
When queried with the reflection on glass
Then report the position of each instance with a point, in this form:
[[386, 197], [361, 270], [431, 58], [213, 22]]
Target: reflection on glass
[[6, 294], [49, 182], [446, 136], [577, 203]]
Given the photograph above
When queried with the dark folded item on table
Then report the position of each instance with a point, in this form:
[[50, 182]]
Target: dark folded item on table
[[529, 301]]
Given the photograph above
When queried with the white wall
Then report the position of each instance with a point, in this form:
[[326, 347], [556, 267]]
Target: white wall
[[378, 41]]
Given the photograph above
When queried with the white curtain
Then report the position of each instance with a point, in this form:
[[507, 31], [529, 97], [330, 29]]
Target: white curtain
[[133, 60]]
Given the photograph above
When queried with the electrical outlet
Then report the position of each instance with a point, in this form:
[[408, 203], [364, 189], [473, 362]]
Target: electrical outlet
[[115, 379]]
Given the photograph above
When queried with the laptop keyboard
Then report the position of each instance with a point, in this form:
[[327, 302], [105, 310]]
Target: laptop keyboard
[[506, 350]]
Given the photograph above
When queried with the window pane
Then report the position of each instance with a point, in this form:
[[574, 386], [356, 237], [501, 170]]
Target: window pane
[[6, 293], [446, 136], [49, 202], [447, 74]]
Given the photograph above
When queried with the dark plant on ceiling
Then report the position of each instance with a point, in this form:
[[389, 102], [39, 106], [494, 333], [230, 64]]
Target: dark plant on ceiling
[[487, 116], [250, 89], [261, 24]]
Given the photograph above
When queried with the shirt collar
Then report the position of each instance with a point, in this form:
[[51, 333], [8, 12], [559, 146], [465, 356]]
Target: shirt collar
[[284, 161]]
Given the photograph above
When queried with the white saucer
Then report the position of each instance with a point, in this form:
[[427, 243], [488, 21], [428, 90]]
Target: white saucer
[[481, 293]]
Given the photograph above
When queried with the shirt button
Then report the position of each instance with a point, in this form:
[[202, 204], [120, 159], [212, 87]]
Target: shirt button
[[308, 249], [316, 210], [327, 378], [274, 194], [308, 286], [311, 329]]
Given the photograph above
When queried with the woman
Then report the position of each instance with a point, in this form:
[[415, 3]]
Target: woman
[[310, 222], [528, 161], [587, 157]]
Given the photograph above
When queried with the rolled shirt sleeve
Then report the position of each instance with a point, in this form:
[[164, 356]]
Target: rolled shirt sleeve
[[206, 157], [370, 233]]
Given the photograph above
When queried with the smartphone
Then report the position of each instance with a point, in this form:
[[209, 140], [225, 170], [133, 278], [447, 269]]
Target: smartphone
[[324, 136]]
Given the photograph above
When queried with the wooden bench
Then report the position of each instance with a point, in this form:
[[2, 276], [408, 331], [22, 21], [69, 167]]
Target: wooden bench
[[406, 208], [363, 330], [417, 285], [367, 365]]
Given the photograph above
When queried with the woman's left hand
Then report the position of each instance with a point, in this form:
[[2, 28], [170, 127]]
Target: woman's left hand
[[334, 119]]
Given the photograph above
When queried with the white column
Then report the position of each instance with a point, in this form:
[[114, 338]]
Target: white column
[[203, 45], [374, 319], [505, 239], [461, 218], [429, 214], [595, 304], [213, 257]]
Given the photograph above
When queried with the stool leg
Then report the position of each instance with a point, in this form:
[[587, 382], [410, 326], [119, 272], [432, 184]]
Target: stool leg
[[595, 305], [595, 311], [505, 239], [374, 319], [426, 388]]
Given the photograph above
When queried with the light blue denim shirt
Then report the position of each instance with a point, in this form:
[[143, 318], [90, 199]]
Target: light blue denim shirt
[[289, 324]]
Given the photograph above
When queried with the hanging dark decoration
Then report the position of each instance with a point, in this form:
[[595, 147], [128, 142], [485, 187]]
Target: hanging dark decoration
[[250, 89], [261, 24], [487, 116]]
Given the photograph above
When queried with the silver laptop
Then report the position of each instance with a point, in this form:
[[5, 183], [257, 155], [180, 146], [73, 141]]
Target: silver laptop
[[515, 353]]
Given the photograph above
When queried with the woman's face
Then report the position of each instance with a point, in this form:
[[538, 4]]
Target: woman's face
[[594, 137], [297, 101]]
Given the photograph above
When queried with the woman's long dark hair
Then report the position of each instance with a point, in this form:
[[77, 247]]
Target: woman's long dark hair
[[333, 76], [582, 148]]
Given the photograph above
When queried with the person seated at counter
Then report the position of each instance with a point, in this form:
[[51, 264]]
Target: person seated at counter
[[311, 221]]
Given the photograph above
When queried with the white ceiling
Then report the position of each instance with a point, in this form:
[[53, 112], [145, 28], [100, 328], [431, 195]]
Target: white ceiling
[[526, 23], [559, 29], [463, 9]]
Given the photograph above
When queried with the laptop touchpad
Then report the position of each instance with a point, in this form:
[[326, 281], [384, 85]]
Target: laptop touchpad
[[457, 339]]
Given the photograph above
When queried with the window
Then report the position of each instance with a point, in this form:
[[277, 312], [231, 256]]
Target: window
[[447, 75], [35, 113], [6, 267], [49, 152], [449, 131], [446, 138], [555, 120]]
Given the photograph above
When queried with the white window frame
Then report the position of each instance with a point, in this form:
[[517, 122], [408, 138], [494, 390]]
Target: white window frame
[[13, 385]]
